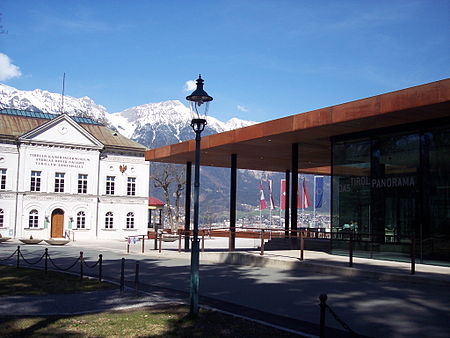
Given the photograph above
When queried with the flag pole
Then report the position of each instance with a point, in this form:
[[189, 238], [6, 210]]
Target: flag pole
[[302, 198], [281, 196], [314, 212]]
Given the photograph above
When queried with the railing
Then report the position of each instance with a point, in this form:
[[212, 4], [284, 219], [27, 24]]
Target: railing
[[242, 232], [350, 237], [353, 238], [134, 239]]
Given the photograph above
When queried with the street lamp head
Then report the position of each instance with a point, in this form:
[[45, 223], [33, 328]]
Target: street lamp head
[[199, 100]]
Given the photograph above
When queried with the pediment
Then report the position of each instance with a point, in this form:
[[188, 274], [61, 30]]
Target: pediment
[[61, 130]]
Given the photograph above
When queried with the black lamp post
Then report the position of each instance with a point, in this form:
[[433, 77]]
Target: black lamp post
[[199, 101]]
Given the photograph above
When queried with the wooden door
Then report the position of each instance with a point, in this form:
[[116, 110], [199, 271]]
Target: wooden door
[[57, 223]]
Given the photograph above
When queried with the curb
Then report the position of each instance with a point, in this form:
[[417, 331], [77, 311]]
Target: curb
[[238, 258]]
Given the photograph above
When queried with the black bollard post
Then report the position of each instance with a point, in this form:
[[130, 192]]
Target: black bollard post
[[18, 255], [122, 275], [323, 308], [302, 245], [350, 250], [100, 267], [46, 260], [262, 243], [81, 265], [136, 278], [413, 255]]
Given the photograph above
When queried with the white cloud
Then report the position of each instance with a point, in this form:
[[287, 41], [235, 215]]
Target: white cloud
[[190, 86], [7, 69], [242, 108]]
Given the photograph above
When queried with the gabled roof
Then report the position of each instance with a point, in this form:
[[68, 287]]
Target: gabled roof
[[82, 137], [16, 123]]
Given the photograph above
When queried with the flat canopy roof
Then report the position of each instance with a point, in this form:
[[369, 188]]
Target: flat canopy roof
[[267, 146]]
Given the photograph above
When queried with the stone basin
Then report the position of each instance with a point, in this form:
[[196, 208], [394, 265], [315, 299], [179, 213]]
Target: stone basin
[[55, 241], [30, 241]]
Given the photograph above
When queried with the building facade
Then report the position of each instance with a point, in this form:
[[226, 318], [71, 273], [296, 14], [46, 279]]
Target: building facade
[[60, 174], [392, 186]]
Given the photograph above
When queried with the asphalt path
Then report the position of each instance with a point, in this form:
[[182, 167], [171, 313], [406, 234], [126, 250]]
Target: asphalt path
[[370, 307]]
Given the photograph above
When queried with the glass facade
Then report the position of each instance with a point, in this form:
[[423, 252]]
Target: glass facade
[[391, 193]]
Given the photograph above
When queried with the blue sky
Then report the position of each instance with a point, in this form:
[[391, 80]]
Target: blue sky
[[260, 59]]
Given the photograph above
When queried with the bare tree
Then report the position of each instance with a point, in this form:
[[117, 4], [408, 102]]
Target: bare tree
[[164, 176], [180, 184]]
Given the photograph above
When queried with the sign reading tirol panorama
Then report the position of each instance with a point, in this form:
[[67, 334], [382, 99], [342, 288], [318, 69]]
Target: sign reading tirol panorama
[[378, 183], [61, 161]]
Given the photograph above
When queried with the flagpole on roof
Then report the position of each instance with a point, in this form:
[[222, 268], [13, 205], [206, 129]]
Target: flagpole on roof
[[62, 94]]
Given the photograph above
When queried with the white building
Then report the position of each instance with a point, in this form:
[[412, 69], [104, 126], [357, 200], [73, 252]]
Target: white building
[[60, 173]]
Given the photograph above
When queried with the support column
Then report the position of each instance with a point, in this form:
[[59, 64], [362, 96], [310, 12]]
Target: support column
[[286, 204], [294, 189], [233, 190], [187, 205]]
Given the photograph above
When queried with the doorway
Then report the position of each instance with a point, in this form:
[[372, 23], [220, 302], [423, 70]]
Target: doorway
[[57, 227]]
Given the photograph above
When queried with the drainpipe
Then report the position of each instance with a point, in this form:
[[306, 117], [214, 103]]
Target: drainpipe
[[100, 157], [17, 189]]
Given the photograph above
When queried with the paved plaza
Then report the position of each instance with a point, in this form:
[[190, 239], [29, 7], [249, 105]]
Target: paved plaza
[[375, 298]]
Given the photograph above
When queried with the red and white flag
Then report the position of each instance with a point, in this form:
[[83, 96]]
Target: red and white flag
[[262, 200], [272, 204], [283, 195], [305, 196]]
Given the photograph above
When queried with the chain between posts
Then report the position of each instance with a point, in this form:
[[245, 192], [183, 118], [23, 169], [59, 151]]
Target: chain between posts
[[81, 260], [5, 259], [323, 307]]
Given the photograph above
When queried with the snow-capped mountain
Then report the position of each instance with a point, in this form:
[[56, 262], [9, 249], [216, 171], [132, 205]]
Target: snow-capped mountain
[[158, 124], [153, 124], [43, 101]]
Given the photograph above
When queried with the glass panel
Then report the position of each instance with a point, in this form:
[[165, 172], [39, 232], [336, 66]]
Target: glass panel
[[395, 189], [436, 241], [351, 192]]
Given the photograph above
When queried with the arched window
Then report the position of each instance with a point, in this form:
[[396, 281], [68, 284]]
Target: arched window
[[33, 219], [2, 219], [130, 220], [109, 220], [81, 220]]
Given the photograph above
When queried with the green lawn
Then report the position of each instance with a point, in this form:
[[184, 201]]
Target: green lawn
[[25, 281], [158, 321]]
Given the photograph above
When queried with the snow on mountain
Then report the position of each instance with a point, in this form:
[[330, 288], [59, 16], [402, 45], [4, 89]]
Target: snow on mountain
[[167, 122], [44, 101], [153, 124]]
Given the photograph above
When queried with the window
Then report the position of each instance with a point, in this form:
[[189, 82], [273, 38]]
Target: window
[[109, 220], [82, 183], [131, 187], [2, 219], [81, 220], [35, 181], [33, 219], [110, 185], [59, 182], [130, 220], [2, 179]]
